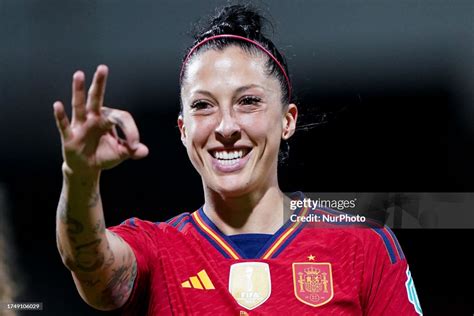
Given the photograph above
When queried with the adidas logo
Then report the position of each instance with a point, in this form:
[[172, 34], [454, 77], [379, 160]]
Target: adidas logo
[[200, 282]]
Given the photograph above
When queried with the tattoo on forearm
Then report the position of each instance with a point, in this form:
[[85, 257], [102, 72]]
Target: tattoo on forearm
[[88, 258], [94, 200], [89, 282], [120, 284], [86, 245], [87, 261], [99, 227], [132, 278], [74, 226], [110, 261], [113, 292]]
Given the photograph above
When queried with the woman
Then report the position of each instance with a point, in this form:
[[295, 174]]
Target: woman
[[240, 253]]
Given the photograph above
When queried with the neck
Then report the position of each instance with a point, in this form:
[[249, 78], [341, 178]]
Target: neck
[[256, 212]]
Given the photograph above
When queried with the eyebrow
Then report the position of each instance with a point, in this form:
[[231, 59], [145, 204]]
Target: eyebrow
[[238, 90]]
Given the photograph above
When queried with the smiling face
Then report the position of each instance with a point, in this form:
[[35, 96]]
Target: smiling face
[[233, 120]]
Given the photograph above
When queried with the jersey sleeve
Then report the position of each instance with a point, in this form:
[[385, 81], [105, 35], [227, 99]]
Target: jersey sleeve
[[139, 235], [388, 287]]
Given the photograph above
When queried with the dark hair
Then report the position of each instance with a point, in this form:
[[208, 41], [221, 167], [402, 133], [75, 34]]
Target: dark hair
[[245, 21]]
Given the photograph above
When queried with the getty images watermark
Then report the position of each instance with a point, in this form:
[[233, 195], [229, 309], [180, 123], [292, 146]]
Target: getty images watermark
[[325, 217]]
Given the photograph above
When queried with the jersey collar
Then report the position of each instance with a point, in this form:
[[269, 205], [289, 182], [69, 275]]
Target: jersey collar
[[275, 245]]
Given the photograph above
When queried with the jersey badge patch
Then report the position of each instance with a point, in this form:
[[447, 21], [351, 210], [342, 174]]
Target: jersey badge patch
[[250, 283], [312, 282]]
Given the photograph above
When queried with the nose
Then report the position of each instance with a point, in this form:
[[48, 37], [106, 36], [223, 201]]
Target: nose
[[228, 127]]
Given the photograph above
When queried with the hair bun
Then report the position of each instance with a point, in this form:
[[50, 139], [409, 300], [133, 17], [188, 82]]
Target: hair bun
[[237, 20]]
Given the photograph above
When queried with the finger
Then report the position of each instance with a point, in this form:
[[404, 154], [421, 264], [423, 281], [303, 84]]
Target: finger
[[114, 133], [126, 152], [62, 122], [141, 152], [78, 97], [95, 98], [125, 122]]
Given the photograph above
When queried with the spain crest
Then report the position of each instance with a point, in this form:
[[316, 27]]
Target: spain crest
[[313, 282], [249, 283]]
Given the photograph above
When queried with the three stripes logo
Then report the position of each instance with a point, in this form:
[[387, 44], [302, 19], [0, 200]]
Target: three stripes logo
[[200, 282]]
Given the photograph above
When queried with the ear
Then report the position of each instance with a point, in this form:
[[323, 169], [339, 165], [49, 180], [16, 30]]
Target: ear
[[289, 121], [182, 129]]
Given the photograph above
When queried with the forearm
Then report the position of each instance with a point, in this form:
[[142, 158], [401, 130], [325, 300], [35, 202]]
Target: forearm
[[102, 264], [80, 223], [109, 288]]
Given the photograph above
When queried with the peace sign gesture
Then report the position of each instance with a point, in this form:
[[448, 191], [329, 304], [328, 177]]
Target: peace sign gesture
[[90, 141]]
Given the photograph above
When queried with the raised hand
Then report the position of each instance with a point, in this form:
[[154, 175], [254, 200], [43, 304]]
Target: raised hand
[[90, 142]]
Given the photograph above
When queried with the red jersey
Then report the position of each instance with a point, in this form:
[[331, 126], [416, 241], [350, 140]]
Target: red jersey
[[186, 266]]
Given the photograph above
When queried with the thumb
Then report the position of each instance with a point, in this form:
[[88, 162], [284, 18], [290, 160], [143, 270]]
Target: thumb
[[141, 151]]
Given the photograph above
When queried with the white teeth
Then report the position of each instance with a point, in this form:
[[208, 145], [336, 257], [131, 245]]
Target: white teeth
[[229, 156], [228, 162]]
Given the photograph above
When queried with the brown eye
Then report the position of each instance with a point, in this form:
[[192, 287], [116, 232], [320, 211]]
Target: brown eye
[[200, 105], [250, 100]]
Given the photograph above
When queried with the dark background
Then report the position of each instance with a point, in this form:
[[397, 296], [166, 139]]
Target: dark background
[[394, 79]]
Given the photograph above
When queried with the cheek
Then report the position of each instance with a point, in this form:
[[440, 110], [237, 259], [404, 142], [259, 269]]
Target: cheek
[[199, 130], [262, 126]]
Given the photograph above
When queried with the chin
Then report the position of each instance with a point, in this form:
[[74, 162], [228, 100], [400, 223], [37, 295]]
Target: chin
[[231, 187]]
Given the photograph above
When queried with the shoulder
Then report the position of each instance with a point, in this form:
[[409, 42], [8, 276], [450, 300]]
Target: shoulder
[[178, 222], [143, 235], [374, 237], [140, 225], [379, 240]]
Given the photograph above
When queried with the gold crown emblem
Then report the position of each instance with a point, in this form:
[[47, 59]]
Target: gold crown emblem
[[312, 271]]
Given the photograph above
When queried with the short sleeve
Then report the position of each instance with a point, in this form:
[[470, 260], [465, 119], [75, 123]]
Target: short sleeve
[[388, 288], [140, 236]]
